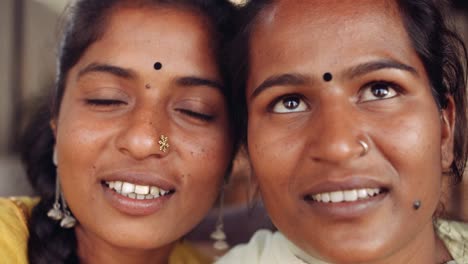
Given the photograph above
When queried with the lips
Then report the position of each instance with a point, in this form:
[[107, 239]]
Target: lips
[[137, 193], [346, 197]]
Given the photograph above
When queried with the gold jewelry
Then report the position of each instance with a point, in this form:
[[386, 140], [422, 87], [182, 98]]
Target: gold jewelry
[[163, 143], [365, 147]]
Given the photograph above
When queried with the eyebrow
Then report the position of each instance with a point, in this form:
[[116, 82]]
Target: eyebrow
[[198, 81], [107, 68], [368, 67], [287, 79]]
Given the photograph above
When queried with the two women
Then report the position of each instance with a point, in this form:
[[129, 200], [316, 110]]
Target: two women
[[356, 126], [139, 139]]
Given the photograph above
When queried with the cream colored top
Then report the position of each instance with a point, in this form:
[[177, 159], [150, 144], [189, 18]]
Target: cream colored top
[[266, 247]]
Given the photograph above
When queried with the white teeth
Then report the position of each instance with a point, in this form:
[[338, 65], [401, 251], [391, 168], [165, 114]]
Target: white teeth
[[128, 188], [118, 186], [139, 192], [362, 193], [325, 197], [350, 196], [336, 197], [154, 191], [346, 195], [140, 189], [370, 192]]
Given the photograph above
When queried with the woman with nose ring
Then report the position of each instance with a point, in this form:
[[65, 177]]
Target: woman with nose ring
[[136, 142], [356, 126]]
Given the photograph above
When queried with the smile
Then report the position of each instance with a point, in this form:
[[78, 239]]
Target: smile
[[137, 192], [345, 195]]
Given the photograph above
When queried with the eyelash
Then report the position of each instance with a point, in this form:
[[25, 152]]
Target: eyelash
[[197, 115], [277, 100], [104, 102], [388, 84]]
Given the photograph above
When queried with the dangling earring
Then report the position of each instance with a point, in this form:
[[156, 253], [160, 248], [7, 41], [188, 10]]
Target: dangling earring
[[55, 213], [218, 235], [68, 221]]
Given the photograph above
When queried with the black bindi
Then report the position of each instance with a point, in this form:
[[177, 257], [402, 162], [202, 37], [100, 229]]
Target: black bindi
[[157, 66], [327, 77]]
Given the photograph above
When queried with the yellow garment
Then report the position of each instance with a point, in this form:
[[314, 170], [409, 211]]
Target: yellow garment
[[14, 233]]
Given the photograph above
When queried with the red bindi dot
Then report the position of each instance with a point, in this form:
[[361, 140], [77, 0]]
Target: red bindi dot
[[157, 66], [327, 77]]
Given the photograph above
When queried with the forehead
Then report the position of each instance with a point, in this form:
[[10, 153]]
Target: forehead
[[328, 33], [178, 38]]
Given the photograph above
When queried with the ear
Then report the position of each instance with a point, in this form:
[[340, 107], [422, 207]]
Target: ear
[[53, 126], [447, 116]]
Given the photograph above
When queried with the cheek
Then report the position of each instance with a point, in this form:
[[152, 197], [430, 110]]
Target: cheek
[[412, 147], [205, 159], [80, 144], [275, 153]]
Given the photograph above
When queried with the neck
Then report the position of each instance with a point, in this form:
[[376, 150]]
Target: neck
[[424, 248], [92, 249]]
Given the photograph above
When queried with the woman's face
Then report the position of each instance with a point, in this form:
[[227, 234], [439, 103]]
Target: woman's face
[[115, 109], [304, 131]]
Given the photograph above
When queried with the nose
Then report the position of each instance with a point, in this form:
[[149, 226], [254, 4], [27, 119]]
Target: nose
[[336, 134], [143, 136]]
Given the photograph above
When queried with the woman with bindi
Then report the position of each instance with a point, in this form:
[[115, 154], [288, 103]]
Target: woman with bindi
[[138, 140], [356, 126]]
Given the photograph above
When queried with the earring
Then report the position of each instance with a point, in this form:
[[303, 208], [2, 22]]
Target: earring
[[55, 213], [218, 235], [67, 220]]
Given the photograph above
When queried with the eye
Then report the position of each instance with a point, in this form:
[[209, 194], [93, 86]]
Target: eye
[[197, 115], [379, 91], [104, 102], [289, 104]]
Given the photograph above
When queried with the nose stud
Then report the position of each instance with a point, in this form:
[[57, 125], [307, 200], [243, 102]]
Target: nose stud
[[163, 143], [365, 148]]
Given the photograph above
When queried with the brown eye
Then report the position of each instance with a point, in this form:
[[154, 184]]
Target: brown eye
[[289, 104], [378, 91]]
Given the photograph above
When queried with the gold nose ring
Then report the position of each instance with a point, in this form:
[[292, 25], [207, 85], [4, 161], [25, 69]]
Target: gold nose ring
[[365, 148], [164, 143]]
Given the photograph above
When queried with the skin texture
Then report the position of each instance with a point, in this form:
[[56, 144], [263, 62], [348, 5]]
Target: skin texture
[[117, 136], [304, 133]]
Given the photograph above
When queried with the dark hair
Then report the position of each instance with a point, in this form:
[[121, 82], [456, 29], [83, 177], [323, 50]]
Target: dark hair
[[441, 50], [85, 24]]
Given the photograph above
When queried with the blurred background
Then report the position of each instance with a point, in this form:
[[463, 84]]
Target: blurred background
[[29, 32]]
